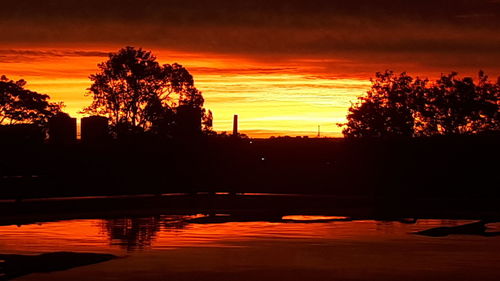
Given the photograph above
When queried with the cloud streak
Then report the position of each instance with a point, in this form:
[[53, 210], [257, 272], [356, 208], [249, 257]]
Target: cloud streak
[[22, 56], [370, 32]]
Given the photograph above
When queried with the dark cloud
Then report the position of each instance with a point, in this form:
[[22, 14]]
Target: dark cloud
[[426, 32], [52, 53], [252, 12], [26, 55]]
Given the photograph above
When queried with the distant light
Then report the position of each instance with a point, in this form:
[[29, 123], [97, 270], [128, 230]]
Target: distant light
[[251, 142], [263, 159]]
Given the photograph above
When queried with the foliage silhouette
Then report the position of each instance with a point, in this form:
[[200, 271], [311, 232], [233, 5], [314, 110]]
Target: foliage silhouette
[[401, 106], [138, 94], [384, 112], [21, 106], [458, 106]]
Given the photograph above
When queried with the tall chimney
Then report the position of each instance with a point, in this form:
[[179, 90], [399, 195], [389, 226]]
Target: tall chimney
[[235, 125]]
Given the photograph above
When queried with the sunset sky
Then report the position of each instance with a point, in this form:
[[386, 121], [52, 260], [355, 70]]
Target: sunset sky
[[284, 66]]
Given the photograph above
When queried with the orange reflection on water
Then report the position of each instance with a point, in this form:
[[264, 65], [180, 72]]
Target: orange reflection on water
[[188, 248], [170, 232], [84, 235]]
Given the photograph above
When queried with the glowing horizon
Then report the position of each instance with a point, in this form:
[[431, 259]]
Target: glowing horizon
[[285, 96], [277, 99]]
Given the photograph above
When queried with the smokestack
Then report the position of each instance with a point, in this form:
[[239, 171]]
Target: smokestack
[[235, 125]]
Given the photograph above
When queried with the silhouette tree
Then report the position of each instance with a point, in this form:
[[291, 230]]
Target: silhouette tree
[[488, 115], [21, 106], [403, 106], [138, 94], [384, 111], [454, 106]]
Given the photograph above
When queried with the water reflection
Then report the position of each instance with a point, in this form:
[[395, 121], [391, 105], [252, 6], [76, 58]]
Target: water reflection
[[216, 247], [139, 233], [222, 230], [132, 233]]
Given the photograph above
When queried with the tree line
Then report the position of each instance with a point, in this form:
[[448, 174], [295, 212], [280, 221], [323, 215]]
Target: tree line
[[141, 96], [136, 93], [403, 106]]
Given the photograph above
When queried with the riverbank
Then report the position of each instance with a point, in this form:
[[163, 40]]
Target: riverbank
[[259, 207], [444, 167]]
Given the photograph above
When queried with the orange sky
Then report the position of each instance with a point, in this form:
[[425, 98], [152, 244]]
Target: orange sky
[[284, 66], [284, 98]]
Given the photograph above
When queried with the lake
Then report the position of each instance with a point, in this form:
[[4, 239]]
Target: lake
[[197, 247]]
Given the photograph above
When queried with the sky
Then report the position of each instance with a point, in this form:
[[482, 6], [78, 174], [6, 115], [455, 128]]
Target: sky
[[284, 67]]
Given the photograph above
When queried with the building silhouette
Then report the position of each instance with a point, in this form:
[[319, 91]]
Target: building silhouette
[[21, 133], [235, 125], [188, 121], [94, 129], [62, 129]]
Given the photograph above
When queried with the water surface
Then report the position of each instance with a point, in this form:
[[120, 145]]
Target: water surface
[[298, 248]]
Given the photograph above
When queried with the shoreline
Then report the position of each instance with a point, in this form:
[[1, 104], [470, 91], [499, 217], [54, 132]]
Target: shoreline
[[260, 207]]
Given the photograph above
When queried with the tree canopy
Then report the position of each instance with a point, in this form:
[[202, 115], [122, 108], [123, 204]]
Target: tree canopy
[[402, 106], [21, 106], [138, 94]]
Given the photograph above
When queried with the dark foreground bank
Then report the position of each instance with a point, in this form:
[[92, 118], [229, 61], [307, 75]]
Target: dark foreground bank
[[390, 171], [14, 266], [244, 207]]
